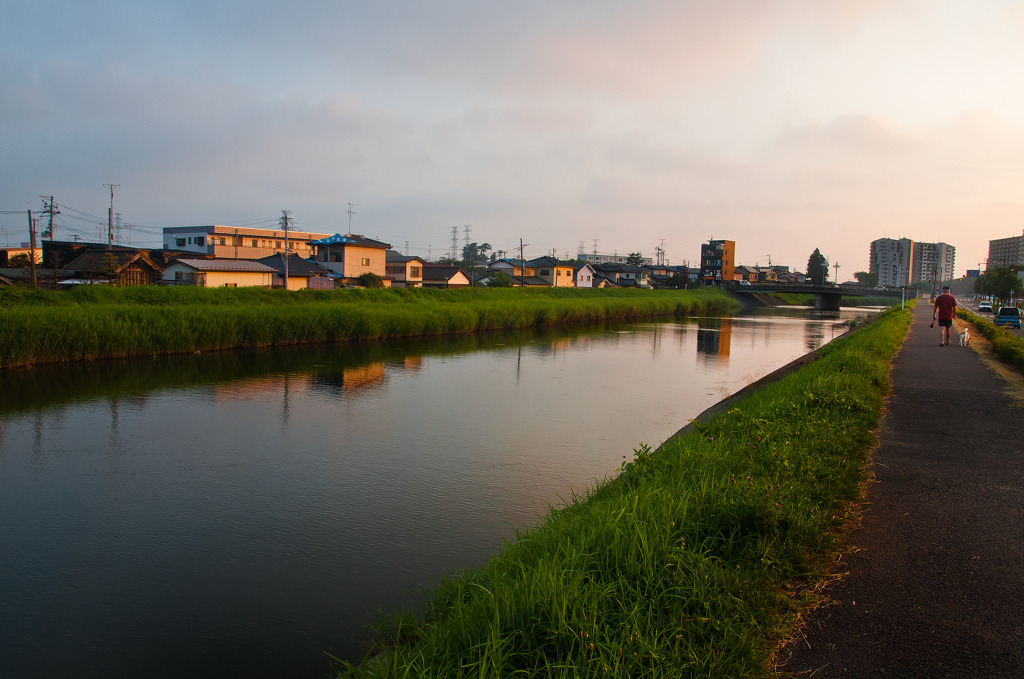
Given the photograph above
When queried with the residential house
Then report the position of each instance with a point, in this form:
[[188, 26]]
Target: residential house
[[116, 266], [522, 275], [444, 276], [216, 273], [405, 271], [625, 275], [557, 273], [350, 256], [583, 275], [302, 273], [743, 273]]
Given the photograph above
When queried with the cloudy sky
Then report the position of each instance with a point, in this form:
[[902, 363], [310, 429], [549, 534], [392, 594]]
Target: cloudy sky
[[785, 125]]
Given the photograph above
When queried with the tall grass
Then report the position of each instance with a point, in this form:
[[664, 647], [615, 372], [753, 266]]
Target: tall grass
[[684, 564], [98, 322]]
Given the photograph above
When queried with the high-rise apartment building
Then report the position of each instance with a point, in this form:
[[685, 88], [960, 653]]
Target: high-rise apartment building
[[892, 260], [1006, 252], [933, 262], [905, 262]]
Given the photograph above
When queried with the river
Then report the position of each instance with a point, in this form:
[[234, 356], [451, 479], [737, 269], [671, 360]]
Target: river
[[249, 513]]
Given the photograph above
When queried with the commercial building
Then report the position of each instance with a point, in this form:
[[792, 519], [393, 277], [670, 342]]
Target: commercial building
[[595, 259], [717, 261], [237, 242]]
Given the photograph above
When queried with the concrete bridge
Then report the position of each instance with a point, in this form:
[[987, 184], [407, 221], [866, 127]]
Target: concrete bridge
[[826, 297]]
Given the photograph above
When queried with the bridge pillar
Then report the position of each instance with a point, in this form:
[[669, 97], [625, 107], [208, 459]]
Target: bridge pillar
[[827, 301]]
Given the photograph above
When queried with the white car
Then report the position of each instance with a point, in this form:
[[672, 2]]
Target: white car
[[985, 306]]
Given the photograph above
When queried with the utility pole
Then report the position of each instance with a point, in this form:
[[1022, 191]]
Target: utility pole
[[350, 213], [110, 215], [32, 249], [522, 264], [48, 209], [284, 223]]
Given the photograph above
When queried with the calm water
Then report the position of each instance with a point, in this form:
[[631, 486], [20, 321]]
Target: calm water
[[248, 513]]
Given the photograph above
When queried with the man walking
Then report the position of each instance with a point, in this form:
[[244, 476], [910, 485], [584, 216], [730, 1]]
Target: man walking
[[945, 309]]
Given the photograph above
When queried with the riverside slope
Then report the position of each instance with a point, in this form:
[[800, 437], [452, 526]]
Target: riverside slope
[[935, 586]]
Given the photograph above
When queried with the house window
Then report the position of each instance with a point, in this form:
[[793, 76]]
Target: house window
[[545, 272], [200, 241], [180, 242], [255, 243], [415, 271], [366, 261], [278, 245]]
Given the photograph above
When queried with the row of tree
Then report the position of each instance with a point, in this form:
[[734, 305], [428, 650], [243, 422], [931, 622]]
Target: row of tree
[[1002, 283]]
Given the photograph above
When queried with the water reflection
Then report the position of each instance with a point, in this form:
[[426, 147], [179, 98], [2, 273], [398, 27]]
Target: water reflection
[[257, 508]]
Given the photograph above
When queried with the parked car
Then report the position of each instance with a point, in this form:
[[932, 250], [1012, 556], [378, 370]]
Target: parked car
[[1008, 316], [985, 306]]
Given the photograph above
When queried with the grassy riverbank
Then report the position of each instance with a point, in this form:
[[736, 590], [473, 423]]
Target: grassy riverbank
[[98, 322], [690, 563]]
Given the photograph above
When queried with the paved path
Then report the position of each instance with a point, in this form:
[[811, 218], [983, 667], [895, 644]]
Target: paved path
[[937, 586]]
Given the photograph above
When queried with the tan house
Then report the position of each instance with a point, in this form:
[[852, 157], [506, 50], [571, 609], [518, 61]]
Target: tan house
[[350, 256], [557, 273], [404, 271], [218, 273]]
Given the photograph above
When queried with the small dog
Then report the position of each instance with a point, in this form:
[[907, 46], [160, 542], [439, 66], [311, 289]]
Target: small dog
[[965, 338]]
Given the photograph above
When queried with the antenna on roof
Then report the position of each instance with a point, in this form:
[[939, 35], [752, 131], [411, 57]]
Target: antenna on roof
[[350, 213]]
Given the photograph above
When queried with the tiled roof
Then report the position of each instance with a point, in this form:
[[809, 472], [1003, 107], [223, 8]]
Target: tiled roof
[[228, 265], [440, 272], [297, 266], [351, 239]]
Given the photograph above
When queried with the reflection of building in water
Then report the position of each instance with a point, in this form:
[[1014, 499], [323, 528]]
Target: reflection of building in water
[[815, 335], [260, 389], [714, 336], [349, 379], [413, 362]]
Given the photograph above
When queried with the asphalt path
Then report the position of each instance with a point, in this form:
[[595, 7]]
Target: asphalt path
[[934, 586]]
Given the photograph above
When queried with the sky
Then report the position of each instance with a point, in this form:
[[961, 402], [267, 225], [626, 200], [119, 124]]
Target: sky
[[783, 125]]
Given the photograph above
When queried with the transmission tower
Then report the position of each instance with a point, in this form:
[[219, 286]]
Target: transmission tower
[[455, 243]]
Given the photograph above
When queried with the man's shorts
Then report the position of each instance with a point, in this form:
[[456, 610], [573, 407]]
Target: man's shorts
[[945, 323]]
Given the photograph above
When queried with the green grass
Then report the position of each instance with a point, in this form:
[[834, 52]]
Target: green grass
[[1007, 347], [685, 563], [100, 322]]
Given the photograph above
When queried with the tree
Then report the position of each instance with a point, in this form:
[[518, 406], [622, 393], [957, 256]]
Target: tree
[[1001, 283], [635, 258], [370, 280], [499, 279], [817, 267], [473, 253], [19, 262], [865, 278]]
